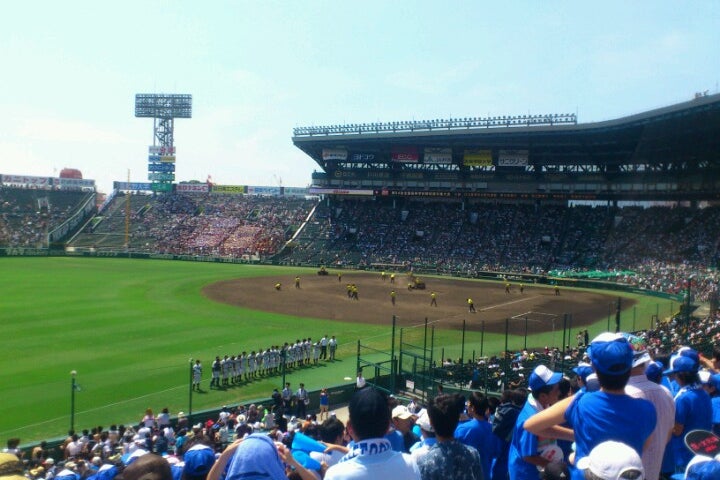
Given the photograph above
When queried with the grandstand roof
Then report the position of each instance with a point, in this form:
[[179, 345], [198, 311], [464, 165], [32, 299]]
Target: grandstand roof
[[681, 137], [670, 153]]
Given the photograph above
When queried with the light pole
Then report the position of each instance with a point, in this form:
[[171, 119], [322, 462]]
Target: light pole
[[73, 387]]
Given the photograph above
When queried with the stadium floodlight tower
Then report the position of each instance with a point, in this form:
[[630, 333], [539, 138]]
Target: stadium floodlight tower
[[164, 109]]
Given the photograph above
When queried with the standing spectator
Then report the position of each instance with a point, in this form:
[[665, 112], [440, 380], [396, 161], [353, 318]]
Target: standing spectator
[[713, 388], [448, 458], [360, 381], [302, 399], [371, 457], [526, 447], [287, 397], [324, 404], [693, 407], [277, 399], [477, 432], [639, 386], [427, 437], [332, 345]]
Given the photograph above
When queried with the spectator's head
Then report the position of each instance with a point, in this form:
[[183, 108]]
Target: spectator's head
[[256, 457], [716, 357], [654, 371], [402, 418], [147, 467], [683, 369], [369, 414], [11, 468], [612, 358], [612, 461], [199, 459], [477, 404], [425, 425], [582, 371], [444, 414], [545, 385], [641, 355], [332, 431]]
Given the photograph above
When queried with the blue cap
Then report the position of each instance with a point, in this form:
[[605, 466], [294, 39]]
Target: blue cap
[[680, 363], [199, 459], [709, 470], [690, 353], [612, 357], [583, 371], [542, 376], [654, 371]]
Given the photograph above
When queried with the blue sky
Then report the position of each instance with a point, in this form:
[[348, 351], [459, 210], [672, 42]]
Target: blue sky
[[256, 70]]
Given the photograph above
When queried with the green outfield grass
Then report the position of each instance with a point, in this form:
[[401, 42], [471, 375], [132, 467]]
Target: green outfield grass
[[130, 327]]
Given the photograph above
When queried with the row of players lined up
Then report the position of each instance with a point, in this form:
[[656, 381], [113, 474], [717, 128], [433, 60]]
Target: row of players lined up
[[235, 369]]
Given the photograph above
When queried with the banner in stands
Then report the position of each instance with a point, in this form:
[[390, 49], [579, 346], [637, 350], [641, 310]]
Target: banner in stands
[[76, 183], [334, 154], [414, 193], [161, 167], [437, 155], [362, 157], [512, 158], [295, 191], [407, 154], [338, 191], [192, 187], [477, 158], [131, 186], [232, 189], [267, 191], [28, 181]]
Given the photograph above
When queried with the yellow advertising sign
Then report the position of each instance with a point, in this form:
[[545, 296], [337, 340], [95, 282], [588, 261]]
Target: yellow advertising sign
[[167, 158], [477, 158], [234, 189]]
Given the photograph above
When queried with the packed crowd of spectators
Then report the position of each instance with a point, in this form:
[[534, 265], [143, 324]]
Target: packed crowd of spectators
[[207, 224], [27, 215], [662, 246]]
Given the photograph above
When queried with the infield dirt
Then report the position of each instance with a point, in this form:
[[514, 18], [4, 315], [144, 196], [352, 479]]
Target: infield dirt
[[326, 297]]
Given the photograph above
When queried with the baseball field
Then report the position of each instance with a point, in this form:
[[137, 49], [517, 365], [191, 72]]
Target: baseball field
[[129, 329]]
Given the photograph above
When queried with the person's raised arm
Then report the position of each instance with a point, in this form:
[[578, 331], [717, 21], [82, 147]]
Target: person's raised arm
[[219, 466], [542, 423]]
